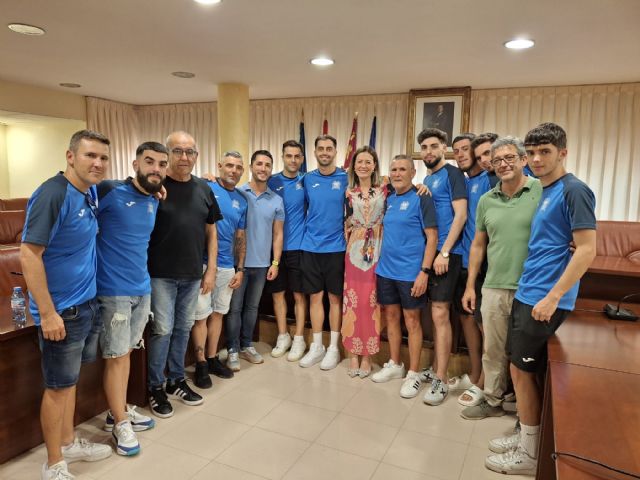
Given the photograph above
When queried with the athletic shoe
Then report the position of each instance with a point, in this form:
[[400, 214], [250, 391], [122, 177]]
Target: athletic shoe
[[125, 440], [86, 451], [411, 385], [297, 350], [201, 378], [427, 375], [504, 444], [331, 358], [460, 383], [437, 393], [233, 363], [138, 421], [513, 462], [314, 355], [159, 403], [389, 371], [181, 391], [283, 343], [57, 471], [219, 369], [484, 410], [251, 355]]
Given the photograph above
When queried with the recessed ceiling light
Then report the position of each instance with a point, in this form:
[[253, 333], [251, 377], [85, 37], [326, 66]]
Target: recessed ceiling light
[[25, 29], [183, 74], [207, 2], [70, 85], [322, 61], [519, 44]]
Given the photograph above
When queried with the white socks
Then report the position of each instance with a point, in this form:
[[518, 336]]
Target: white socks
[[335, 337], [298, 338], [317, 338], [529, 436]]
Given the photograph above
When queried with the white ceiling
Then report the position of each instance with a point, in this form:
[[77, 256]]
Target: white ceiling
[[125, 49]]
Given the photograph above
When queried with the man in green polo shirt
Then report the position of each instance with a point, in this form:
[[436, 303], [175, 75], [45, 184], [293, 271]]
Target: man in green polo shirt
[[503, 224]]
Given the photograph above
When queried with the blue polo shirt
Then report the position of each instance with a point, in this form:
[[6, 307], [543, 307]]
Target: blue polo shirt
[[126, 217], [566, 205], [292, 192], [476, 187], [233, 206], [403, 237], [446, 185], [493, 179], [324, 225], [263, 210], [63, 220], [527, 171]]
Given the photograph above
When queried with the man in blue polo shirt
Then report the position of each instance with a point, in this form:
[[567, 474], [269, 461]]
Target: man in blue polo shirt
[[126, 216], [481, 151], [548, 288], [288, 184], [409, 242], [265, 219], [448, 188], [231, 254], [58, 257], [323, 247]]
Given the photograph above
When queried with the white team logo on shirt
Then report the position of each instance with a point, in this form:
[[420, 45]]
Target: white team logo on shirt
[[235, 204], [279, 188], [315, 185], [335, 185], [474, 189], [150, 207], [81, 214], [130, 204], [404, 205], [545, 204], [298, 186], [435, 183]]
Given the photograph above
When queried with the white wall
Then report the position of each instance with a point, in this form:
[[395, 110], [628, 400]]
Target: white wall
[[4, 164]]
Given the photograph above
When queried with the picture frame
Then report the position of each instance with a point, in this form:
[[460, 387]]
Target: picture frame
[[443, 108]]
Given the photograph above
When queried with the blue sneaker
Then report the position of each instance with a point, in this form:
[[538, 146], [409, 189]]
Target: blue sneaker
[[125, 440], [139, 422]]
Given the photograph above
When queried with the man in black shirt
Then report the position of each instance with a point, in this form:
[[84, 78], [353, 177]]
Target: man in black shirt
[[185, 226]]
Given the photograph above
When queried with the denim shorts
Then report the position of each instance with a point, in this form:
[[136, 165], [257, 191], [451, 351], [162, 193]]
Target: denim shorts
[[219, 299], [61, 360], [123, 319]]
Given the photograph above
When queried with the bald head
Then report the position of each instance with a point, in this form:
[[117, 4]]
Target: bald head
[[179, 136], [183, 154]]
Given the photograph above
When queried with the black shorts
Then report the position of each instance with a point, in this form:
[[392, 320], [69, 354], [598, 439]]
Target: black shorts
[[398, 292], [442, 288], [322, 271], [462, 286], [289, 273], [527, 338]]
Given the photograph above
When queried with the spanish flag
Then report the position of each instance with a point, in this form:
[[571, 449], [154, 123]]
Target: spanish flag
[[351, 146]]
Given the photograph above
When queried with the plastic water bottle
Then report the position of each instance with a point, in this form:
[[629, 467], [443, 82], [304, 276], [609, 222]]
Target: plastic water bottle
[[18, 307]]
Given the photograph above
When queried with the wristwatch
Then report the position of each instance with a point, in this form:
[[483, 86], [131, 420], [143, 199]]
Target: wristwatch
[[275, 263], [444, 254], [427, 270], [240, 269]]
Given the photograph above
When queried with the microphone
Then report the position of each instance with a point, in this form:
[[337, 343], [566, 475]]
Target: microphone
[[614, 312]]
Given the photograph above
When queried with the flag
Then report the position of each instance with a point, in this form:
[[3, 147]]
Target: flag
[[325, 127], [372, 137], [351, 146], [303, 167]]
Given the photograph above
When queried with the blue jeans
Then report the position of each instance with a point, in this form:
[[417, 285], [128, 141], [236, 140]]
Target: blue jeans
[[243, 312], [173, 303]]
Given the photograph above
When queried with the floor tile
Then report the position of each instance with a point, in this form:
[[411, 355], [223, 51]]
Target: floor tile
[[324, 394], [474, 469], [214, 471], [358, 436], [243, 406], [263, 453], [442, 421], [322, 463], [274, 383], [426, 454], [489, 428], [297, 420], [386, 408], [390, 472]]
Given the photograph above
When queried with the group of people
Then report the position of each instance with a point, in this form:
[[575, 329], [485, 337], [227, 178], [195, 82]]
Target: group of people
[[102, 258]]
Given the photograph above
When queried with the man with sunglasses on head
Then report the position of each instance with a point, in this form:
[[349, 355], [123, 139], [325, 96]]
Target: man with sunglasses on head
[[185, 226], [58, 257]]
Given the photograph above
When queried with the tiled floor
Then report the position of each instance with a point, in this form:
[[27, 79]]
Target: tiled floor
[[280, 421]]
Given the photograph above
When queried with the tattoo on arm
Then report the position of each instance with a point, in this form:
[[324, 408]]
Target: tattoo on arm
[[240, 247]]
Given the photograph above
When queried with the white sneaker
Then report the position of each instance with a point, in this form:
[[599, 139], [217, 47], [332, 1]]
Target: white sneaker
[[82, 449], [314, 355], [283, 343], [437, 393], [251, 355], [427, 375], [297, 350], [57, 471], [331, 359], [513, 462], [411, 385], [504, 444], [460, 383], [233, 362], [389, 371], [139, 422], [125, 440]]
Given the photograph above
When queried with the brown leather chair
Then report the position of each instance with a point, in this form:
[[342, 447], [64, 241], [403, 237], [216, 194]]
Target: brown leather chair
[[618, 239], [13, 203], [11, 225]]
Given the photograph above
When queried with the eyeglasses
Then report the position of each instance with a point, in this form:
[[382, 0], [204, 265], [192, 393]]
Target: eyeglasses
[[509, 159], [190, 153]]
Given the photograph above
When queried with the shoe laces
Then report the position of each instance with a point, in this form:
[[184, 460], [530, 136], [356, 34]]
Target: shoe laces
[[125, 432], [436, 385], [59, 472], [515, 454], [160, 395], [251, 350], [233, 356]]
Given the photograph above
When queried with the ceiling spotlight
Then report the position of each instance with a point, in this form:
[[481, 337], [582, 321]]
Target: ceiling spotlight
[[519, 44], [183, 74], [26, 29], [207, 2], [322, 61], [70, 85]]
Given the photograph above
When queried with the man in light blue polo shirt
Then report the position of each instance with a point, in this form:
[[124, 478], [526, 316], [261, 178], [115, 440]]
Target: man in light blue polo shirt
[[265, 221]]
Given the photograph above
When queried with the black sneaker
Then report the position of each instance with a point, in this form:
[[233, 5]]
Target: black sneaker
[[182, 391], [201, 378], [219, 369], [160, 405]]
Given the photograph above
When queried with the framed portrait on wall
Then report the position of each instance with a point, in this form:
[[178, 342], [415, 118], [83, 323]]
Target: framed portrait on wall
[[444, 108]]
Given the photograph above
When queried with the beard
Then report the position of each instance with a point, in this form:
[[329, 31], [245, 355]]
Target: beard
[[430, 165], [148, 186]]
